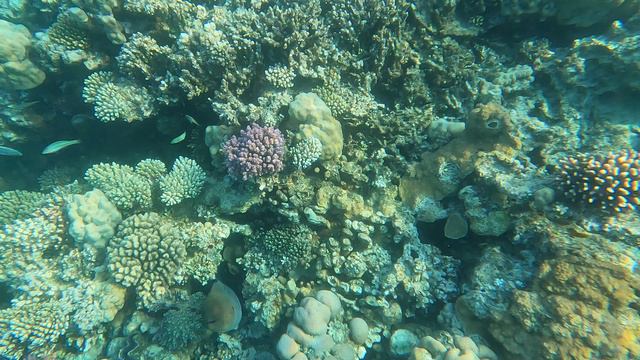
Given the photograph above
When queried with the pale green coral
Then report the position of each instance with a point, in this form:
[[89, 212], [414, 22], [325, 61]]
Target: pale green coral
[[185, 181], [31, 329], [151, 169], [18, 204], [124, 187], [117, 100], [146, 254]]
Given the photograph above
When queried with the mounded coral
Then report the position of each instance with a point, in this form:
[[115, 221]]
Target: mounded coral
[[92, 218], [573, 310], [441, 172], [17, 72], [146, 254], [309, 116]]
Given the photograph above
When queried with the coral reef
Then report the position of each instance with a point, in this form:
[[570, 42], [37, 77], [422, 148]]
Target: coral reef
[[17, 72], [325, 179]]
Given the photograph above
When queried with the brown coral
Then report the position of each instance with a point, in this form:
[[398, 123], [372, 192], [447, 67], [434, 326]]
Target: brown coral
[[576, 309], [610, 182]]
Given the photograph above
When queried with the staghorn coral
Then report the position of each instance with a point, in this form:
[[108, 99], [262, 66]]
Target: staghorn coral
[[145, 254], [610, 182], [185, 181], [256, 152]]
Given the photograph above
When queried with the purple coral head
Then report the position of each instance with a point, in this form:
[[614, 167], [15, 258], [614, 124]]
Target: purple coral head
[[255, 152]]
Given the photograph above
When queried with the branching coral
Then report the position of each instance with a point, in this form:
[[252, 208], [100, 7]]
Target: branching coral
[[146, 254], [31, 329], [280, 249], [183, 182], [610, 182], [127, 189], [257, 151], [117, 101]]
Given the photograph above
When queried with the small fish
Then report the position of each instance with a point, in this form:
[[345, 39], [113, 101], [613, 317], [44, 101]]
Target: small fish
[[179, 138], [191, 120], [56, 146], [7, 151]]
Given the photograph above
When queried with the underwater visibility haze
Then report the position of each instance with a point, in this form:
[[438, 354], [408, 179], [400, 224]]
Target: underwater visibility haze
[[320, 179]]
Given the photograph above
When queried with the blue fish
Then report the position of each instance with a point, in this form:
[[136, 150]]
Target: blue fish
[[7, 151]]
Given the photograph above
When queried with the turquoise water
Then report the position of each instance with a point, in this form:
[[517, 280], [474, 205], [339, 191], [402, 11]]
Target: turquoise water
[[321, 179]]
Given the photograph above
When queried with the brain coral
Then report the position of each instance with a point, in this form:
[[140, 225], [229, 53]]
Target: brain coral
[[146, 254]]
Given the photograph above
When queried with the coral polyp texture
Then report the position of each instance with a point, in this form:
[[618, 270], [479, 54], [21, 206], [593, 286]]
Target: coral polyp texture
[[257, 151], [145, 254], [609, 182]]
